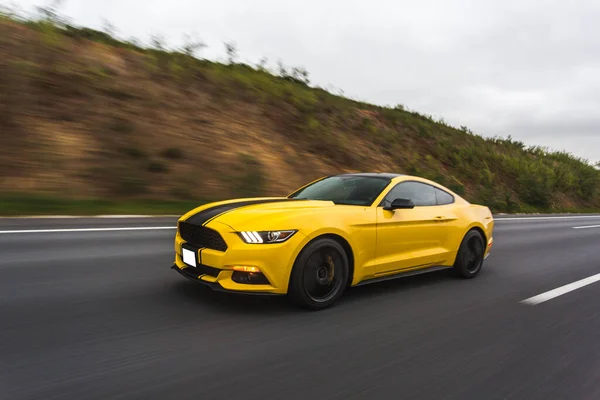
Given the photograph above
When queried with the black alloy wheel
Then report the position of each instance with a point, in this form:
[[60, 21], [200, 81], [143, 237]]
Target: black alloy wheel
[[469, 259], [320, 274]]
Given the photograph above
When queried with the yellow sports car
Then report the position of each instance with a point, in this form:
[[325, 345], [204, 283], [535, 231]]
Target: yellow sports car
[[339, 231]]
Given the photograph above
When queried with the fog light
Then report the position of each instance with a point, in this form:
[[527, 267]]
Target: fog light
[[246, 268], [249, 278]]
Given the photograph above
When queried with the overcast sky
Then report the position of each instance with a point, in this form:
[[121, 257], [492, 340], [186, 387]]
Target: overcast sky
[[526, 68]]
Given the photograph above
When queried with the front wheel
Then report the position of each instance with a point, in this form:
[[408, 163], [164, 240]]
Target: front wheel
[[320, 274], [469, 259]]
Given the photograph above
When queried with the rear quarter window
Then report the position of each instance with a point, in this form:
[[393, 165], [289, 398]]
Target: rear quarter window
[[443, 198]]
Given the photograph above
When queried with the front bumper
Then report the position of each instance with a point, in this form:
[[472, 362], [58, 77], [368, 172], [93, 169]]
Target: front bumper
[[275, 262], [214, 285]]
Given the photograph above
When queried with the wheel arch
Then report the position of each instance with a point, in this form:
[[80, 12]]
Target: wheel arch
[[481, 232], [473, 227], [345, 245]]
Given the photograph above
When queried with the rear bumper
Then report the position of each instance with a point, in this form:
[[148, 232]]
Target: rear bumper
[[215, 285], [488, 248]]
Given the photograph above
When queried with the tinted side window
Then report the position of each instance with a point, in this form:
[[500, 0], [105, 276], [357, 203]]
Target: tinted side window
[[443, 198], [419, 193]]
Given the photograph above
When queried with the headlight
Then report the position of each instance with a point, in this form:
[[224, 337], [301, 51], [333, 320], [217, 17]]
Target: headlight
[[254, 237]]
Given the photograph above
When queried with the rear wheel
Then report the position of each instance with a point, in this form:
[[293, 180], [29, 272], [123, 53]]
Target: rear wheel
[[320, 274], [469, 259]]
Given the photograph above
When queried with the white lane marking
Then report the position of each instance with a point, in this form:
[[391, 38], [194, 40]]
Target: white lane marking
[[586, 227], [543, 218], [90, 216], [540, 298], [132, 228], [122, 216]]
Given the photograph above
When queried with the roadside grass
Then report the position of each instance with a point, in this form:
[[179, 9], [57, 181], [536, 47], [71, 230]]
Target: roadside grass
[[12, 205], [22, 205]]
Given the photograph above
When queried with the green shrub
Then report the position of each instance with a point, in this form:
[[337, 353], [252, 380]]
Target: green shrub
[[172, 153], [121, 125], [134, 152], [157, 167], [130, 186], [118, 93], [457, 188], [181, 192], [369, 126], [313, 125], [423, 132], [535, 184]]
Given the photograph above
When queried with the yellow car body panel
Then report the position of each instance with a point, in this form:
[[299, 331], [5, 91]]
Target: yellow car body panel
[[379, 242]]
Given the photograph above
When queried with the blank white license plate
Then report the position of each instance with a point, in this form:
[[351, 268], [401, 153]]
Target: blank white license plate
[[189, 257]]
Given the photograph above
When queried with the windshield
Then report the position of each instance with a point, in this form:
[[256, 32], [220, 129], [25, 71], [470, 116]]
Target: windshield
[[350, 190]]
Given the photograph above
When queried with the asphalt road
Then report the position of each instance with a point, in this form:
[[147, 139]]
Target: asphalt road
[[99, 315]]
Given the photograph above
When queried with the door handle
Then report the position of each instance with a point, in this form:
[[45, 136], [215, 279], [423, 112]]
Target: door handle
[[440, 219]]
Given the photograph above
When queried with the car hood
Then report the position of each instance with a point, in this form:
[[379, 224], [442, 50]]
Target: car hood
[[256, 213]]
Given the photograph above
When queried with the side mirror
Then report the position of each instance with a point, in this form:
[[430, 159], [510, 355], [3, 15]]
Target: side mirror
[[400, 203]]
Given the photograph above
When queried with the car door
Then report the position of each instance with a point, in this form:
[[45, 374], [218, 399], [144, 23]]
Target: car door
[[411, 238], [447, 214]]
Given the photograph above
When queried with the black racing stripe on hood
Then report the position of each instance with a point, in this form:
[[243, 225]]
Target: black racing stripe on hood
[[205, 215]]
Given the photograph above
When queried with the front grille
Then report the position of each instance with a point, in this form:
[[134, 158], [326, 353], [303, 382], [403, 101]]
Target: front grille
[[201, 236]]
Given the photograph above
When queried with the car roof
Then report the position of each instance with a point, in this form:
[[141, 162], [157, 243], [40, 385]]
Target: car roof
[[387, 175], [393, 177]]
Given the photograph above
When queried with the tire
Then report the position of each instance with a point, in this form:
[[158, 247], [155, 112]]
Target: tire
[[320, 275], [469, 259]]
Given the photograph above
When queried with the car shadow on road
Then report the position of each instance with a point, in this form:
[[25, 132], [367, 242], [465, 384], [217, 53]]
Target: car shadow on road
[[255, 304], [232, 302]]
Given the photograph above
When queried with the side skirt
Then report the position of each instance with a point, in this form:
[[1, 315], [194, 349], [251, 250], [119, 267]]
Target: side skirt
[[402, 275]]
